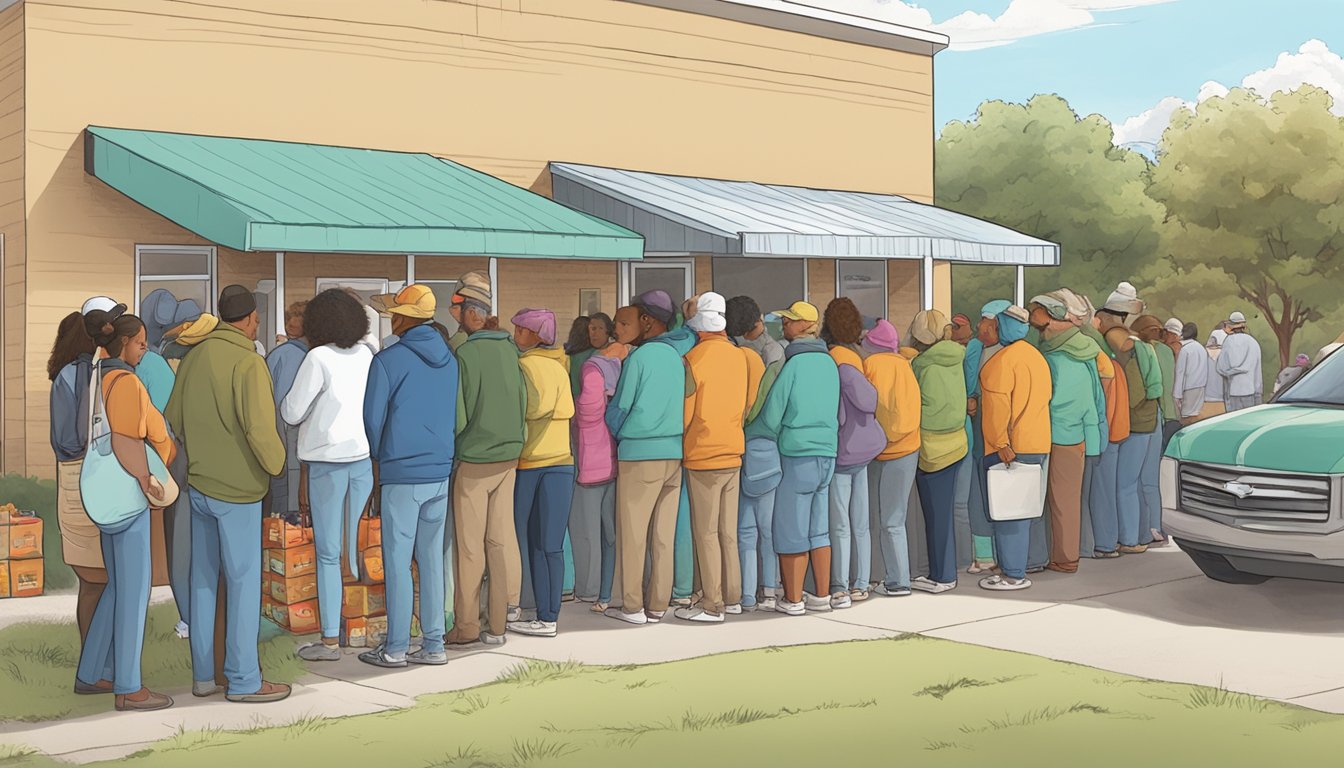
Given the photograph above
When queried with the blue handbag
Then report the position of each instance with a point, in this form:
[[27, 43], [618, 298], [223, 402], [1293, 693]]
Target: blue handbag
[[109, 493]]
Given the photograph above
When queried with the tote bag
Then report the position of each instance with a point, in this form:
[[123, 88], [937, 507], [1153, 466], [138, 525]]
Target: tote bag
[[1016, 491], [109, 493]]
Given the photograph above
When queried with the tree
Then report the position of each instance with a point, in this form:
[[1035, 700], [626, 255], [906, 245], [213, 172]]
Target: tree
[[1251, 188], [1040, 169]]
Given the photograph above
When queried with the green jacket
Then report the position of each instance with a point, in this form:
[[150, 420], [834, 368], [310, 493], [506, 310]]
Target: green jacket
[[942, 387], [491, 399], [1150, 370], [1166, 363], [1142, 408], [763, 392], [1078, 403], [456, 340], [223, 410], [1095, 335], [802, 411], [646, 412]]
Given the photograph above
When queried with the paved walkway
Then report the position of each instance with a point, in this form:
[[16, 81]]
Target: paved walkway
[[1153, 616]]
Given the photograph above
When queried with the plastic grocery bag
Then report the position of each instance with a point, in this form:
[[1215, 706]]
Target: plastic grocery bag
[[1016, 491]]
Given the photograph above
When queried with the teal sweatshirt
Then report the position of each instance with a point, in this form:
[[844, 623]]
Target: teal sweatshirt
[[1078, 403], [491, 399], [646, 412], [802, 412]]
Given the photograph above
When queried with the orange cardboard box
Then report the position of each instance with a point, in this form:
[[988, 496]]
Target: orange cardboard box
[[361, 601], [4, 578], [278, 534], [289, 591], [268, 606], [21, 537], [372, 572], [25, 578], [299, 618], [370, 533], [292, 563], [354, 633], [376, 628]]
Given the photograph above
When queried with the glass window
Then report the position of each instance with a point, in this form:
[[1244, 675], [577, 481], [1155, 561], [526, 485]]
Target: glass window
[[773, 283], [187, 273], [864, 283], [671, 278]]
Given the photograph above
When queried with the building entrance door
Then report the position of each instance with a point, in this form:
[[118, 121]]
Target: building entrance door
[[676, 277]]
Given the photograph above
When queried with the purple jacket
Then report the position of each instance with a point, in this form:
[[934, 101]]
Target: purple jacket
[[861, 436]]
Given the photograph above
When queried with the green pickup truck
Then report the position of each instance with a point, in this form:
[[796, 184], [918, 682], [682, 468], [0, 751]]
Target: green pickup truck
[[1260, 493]]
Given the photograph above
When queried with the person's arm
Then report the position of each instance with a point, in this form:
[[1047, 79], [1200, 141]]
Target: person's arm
[[126, 420], [627, 390], [996, 406], [755, 372], [255, 412], [308, 384], [376, 403], [771, 417], [592, 396]]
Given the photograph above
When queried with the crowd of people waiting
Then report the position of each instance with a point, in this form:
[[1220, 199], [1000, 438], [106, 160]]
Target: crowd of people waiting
[[699, 465]]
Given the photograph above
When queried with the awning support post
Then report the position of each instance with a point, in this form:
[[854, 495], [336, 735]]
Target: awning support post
[[410, 268], [494, 286], [1021, 291], [926, 282], [280, 293]]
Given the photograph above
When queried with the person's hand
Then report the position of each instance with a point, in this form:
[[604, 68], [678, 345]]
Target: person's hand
[[1006, 455], [147, 484], [972, 405], [281, 339]]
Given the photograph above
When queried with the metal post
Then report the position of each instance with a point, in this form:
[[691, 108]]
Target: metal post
[[494, 285], [1021, 293], [410, 269], [928, 282], [279, 293]]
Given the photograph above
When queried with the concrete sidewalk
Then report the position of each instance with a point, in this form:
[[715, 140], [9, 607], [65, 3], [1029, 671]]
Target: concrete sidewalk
[[1153, 616]]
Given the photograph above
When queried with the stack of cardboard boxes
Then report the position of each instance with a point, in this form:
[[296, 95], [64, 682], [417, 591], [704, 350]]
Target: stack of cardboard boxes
[[21, 573]]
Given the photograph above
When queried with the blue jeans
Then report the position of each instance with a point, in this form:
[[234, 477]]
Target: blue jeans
[[116, 636], [1103, 500], [1013, 538], [683, 547], [1129, 487], [937, 499], [850, 532], [449, 542], [802, 515], [592, 529], [337, 494], [541, 503], [756, 545], [224, 539], [1150, 490], [414, 518], [961, 510], [889, 485]]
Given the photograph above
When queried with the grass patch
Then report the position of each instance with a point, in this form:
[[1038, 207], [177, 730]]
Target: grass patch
[[40, 497], [1220, 698], [537, 672], [38, 660]]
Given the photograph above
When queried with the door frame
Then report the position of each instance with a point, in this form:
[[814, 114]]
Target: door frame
[[629, 268]]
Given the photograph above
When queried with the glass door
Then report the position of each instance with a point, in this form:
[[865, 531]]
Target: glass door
[[676, 277]]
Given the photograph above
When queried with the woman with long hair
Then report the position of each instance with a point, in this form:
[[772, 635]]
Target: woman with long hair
[[326, 403], [110, 661]]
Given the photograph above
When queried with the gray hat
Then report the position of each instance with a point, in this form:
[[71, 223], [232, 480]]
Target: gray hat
[[475, 285], [236, 303]]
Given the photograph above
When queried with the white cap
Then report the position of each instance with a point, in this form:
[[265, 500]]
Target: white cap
[[103, 303], [1236, 318], [1217, 338], [1174, 325], [709, 313]]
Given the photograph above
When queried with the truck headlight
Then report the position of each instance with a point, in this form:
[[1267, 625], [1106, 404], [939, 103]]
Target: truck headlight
[[1167, 483]]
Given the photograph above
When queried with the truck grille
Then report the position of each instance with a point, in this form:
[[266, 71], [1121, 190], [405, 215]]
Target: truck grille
[[1276, 501]]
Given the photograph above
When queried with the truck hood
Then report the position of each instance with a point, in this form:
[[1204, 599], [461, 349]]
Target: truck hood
[[1285, 437]]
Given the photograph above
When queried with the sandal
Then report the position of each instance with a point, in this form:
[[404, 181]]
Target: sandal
[[1100, 554], [1004, 584], [599, 607], [978, 567]]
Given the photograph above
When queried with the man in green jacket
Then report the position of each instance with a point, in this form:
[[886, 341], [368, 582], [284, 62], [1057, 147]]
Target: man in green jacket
[[491, 404], [223, 411], [1077, 419]]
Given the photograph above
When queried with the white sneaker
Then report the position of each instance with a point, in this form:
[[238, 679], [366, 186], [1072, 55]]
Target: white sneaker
[[489, 639], [885, 591], [533, 628], [628, 618], [697, 614], [182, 630], [653, 617], [841, 601], [816, 604], [515, 614], [733, 610], [1000, 583], [925, 584], [789, 609]]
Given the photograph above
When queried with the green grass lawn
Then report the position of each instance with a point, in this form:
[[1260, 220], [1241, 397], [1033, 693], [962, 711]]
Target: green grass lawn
[[911, 701], [37, 666]]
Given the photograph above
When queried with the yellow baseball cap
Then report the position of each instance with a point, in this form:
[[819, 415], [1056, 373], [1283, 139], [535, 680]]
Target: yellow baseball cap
[[415, 301], [799, 310]]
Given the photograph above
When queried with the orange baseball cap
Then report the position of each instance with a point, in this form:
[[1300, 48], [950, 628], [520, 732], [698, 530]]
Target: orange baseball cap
[[415, 301]]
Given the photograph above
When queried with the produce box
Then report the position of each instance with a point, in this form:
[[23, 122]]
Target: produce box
[[268, 605], [372, 572], [300, 618], [361, 601], [20, 536], [25, 578], [376, 628], [4, 578], [294, 562], [276, 533], [288, 591], [370, 533], [354, 633]]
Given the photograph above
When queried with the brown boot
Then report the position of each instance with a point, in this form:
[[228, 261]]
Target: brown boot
[[268, 694], [143, 700], [100, 687]]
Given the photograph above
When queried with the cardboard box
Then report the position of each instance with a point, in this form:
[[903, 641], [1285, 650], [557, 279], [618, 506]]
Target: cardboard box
[[268, 607], [289, 591], [21, 536], [376, 630], [299, 618], [278, 534], [361, 601], [354, 633], [4, 578], [25, 578], [370, 533], [372, 571], [293, 563]]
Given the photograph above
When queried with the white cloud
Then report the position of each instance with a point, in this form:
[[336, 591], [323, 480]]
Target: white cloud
[[970, 30], [1313, 64]]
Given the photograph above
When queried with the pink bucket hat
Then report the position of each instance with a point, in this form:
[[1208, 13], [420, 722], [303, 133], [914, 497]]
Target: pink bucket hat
[[883, 337], [540, 321]]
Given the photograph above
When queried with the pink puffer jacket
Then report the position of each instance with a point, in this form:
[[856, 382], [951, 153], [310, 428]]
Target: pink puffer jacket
[[595, 448]]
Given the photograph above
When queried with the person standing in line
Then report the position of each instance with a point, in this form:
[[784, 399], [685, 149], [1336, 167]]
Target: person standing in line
[[892, 475], [326, 403], [726, 379], [1148, 329], [411, 429], [1239, 365], [1080, 313], [491, 431], [1134, 452], [970, 496], [1166, 363], [283, 363], [598, 331], [801, 414], [223, 411], [1192, 376], [685, 578], [578, 348], [940, 371], [1103, 493], [1215, 392], [1288, 376], [455, 311], [1077, 409], [760, 463], [1015, 387], [859, 441], [646, 415]]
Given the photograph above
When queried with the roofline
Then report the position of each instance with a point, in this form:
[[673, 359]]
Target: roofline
[[797, 16]]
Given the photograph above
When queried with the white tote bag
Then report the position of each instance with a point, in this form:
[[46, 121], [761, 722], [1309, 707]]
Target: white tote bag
[[1016, 491]]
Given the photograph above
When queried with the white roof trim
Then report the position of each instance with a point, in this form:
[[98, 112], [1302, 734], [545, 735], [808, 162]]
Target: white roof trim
[[794, 16]]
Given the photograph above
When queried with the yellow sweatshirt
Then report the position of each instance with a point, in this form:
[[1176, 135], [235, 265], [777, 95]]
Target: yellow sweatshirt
[[550, 406], [898, 403], [726, 378]]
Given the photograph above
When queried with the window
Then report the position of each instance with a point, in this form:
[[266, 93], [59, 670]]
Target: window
[[865, 284], [443, 297], [185, 271], [773, 283], [674, 276]]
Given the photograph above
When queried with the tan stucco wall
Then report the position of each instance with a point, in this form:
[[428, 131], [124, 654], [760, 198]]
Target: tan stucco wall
[[12, 423], [502, 85], [903, 292]]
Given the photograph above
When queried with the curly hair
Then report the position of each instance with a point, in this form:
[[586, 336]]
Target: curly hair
[[841, 323], [71, 342], [742, 313], [578, 336], [334, 317]]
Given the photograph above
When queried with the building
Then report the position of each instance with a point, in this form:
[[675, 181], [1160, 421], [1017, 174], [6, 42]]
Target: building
[[151, 144]]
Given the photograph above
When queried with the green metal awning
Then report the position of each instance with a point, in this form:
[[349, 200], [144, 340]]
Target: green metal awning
[[254, 195]]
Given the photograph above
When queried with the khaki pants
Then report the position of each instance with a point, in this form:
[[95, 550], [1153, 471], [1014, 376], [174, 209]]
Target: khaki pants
[[714, 501], [486, 543], [1064, 497], [647, 495]]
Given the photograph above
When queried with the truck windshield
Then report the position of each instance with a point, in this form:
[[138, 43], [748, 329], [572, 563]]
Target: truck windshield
[[1322, 385]]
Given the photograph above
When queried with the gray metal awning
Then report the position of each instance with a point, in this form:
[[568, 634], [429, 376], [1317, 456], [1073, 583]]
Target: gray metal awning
[[680, 214]]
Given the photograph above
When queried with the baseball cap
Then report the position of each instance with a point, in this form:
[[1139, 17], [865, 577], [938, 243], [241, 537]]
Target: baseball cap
[[799, 310], [108, 305], [1175, 326], [1052, 304], [1237, 318], [415, 301], [657, 304]]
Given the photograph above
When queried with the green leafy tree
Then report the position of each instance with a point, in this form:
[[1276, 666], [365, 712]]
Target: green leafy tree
[[1253, 191], [1041, 169]]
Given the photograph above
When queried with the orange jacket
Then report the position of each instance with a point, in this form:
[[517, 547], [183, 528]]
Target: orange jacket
[[846, 356], [726, 379], [1015, 391], [898, 402], [1117, 404]]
